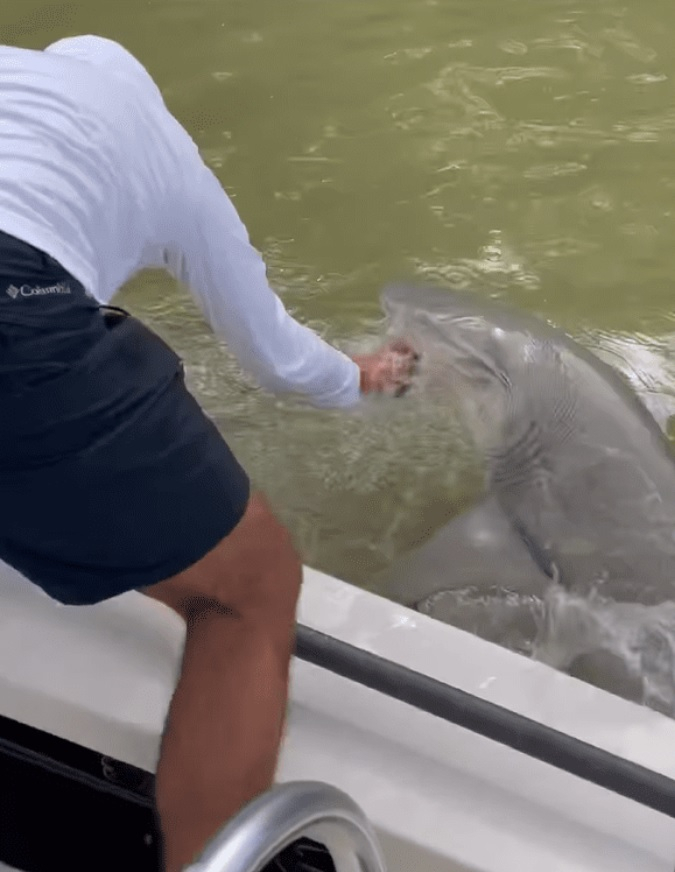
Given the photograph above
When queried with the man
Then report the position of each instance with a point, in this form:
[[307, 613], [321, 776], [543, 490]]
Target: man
[[112, 477]]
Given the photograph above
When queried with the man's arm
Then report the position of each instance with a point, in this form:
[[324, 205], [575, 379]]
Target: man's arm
[[215, 258]]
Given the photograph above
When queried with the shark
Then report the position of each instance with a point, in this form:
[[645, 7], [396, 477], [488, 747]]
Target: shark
[[579, 485]]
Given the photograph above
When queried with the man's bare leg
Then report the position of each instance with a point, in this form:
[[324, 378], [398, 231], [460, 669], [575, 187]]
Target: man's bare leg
[[226, 718]]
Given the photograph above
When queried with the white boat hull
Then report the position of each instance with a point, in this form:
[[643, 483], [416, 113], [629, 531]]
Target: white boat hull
[[440, 797]]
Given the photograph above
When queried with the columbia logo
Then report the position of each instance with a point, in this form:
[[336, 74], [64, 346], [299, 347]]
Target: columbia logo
[[32, 291]]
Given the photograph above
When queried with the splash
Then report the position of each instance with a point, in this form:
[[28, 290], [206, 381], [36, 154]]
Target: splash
[[625, 648]]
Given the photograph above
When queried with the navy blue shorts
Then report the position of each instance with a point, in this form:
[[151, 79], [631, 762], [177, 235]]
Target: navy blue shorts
[[111, 476]]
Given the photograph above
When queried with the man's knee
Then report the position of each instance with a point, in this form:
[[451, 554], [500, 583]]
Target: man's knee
[[253, 570]]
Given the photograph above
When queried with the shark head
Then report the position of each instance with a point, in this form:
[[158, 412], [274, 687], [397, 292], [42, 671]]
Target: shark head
[[475, 353]]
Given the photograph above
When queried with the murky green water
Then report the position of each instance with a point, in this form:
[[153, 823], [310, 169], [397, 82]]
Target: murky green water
[[518, 146]]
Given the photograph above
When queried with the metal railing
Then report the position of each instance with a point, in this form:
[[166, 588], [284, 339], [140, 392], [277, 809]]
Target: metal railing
[[539, 741], [283, 814]]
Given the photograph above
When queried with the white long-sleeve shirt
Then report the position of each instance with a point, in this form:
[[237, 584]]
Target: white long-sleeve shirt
[[97, 173]]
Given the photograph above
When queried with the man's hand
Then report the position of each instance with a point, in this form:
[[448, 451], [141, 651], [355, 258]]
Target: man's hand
[[388, 370]]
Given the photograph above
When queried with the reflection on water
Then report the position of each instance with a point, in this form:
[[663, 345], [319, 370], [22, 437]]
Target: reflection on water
[[525, 149]]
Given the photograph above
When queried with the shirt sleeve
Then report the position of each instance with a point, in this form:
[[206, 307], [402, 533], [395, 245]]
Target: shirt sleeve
[[204, 244], [215, 258]]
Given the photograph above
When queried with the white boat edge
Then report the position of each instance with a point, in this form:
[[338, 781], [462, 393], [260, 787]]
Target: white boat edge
[[440, 797]]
